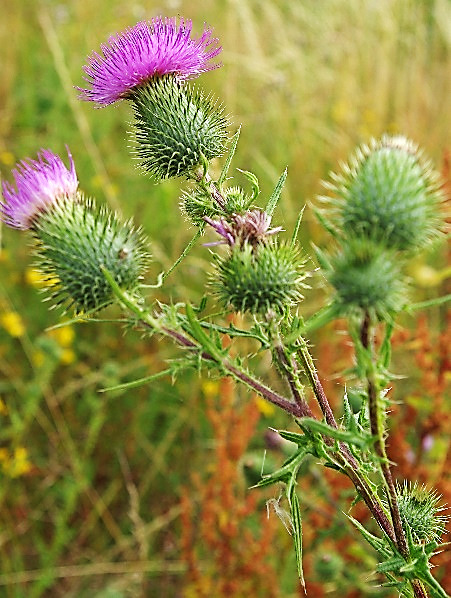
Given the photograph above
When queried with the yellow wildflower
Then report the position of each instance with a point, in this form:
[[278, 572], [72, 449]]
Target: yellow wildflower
[[12, 323], [265, 408], [210, 388]]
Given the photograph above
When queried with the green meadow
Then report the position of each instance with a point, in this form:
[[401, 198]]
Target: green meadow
[[129, 493]]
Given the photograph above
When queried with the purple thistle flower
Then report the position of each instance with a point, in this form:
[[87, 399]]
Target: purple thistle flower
[[38, 184], [251, 227], [149, 49]]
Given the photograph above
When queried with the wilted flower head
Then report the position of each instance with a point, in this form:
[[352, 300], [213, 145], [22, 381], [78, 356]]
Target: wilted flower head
[[38, 184], [149, 49], [252, 227]]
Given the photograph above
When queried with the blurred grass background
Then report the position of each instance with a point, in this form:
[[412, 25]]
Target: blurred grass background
[[97, 496]]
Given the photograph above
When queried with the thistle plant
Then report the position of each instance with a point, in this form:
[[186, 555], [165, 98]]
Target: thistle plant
[[382, 208]]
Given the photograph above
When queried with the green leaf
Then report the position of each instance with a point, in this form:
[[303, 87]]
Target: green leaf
[[296, 522], [253, 180], [139, 382], [225, 169], [275, 195], [288, 470], [203, 339], [361, 439], [296, 226]]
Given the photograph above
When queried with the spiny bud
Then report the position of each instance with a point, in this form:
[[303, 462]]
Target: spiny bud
[[387, 193], [75, 240], [258, 279], [419, 512], [366, 276], [176, 128], [198, 203]]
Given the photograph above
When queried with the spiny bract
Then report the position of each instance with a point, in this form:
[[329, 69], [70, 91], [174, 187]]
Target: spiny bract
[[258, 279], [388, 193], [75, 240], [176, 128]]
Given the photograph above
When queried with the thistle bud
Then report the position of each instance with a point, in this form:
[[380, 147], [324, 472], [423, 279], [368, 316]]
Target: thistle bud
[[366, 276], [176, 128], [197, 204], [420, 513], [75, 241], [387, 193], [257, 279]]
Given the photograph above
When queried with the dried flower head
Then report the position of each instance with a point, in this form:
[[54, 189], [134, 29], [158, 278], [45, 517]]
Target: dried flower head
[[252, 227], [39, 184], [149, 49]]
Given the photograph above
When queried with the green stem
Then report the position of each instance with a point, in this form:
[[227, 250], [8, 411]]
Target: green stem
[[377, 430], [184, 253], [345, 457]]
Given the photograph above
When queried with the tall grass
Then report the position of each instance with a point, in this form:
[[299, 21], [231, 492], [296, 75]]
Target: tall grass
[[90, 482]]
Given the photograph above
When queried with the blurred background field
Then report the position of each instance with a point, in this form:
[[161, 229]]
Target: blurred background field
[[145, 492]]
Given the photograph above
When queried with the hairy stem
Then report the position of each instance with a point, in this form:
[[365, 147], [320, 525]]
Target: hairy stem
[[376, 419]]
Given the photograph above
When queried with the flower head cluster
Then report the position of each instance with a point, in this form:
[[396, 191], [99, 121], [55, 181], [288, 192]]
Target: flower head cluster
[[252, 227], [149, 49], [38, 185]]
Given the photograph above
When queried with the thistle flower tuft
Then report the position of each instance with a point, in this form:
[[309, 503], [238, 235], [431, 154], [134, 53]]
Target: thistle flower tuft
[[149, 50], [252, 227], [389, 193], [260, 279], [74, 243], [39, 185]]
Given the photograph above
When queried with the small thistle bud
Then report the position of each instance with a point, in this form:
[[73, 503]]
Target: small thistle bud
[[75, 240], [259, 279], [237, 201], [197, 204], [366, 276], [176, 128], [387, 193], [419, 512]]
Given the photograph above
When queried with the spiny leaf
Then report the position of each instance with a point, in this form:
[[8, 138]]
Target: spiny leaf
[[225, 169], [275, 195], [296, 522], [139, 382]]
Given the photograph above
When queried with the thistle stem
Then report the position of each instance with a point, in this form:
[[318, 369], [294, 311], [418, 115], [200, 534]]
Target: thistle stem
[[347, 460], [297, 409], [184, 253], [376, 418], [288, 368]]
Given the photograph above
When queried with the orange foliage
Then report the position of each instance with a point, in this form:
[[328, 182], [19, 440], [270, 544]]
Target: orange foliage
[[224, 555]]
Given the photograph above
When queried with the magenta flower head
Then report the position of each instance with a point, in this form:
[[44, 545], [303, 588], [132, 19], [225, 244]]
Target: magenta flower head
[[38, 185], [149, 49]]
